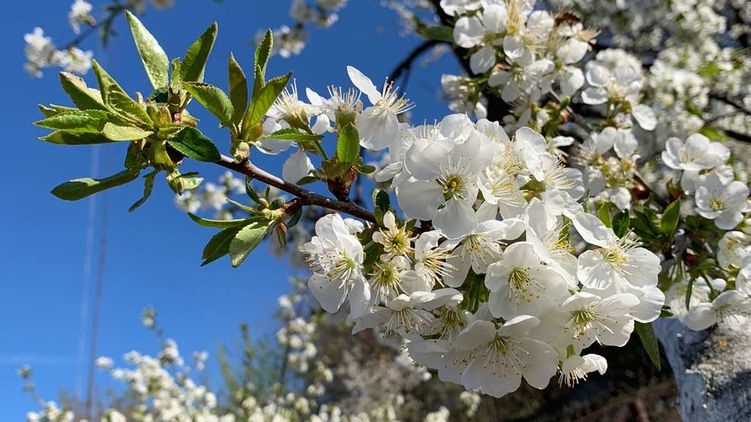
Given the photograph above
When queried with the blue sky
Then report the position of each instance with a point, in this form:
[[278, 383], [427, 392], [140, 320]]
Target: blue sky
[[153, 255]]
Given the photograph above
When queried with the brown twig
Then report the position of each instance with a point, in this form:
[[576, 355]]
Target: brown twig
[[305, 196]]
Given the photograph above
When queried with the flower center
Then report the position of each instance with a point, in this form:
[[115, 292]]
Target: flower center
[[453, 186], [717, 204]]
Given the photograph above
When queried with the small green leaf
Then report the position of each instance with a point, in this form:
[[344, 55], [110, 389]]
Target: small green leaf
[[264, 100], [713, 133], [262, 54], [179, 183], [55, 110], [154, 59], [670, 218], [218, 245], [649, 341], [82, 96], [77, 121], [148, 187], [245, 241], [118, 100], [621, 223], [124, 133], [367, 169], [381, 200], [348, 144], [291, 134], [603, 213], [437, 33], [194, 144], [213, 98], [194, 63], [67, 138], [238, 89], [81, 188], [220, 224], [106, 82]]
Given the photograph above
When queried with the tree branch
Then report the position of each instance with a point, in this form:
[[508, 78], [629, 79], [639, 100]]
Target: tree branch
[[305, 196], [406, 64]]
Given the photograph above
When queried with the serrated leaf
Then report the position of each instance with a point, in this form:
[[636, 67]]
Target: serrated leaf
[[263, 101], [621, 223], [603, 213], [194, 144], [291, 134], [67, 138], [148, 187], [106, 82], [124, 133], [437, 33], [247, 239], [82, 96], [179, 183], [220, 224], [80, 188], [649, 342], [76, 121], [118, 100], [670, 218], [54, 110], [262, 54], [238, 89], [213, 98], [218, 245], [381, 200], [194, 64], [153, 57], [348, 144]]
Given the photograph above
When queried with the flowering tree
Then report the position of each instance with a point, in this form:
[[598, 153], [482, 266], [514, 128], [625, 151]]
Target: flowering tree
[[585, 188]]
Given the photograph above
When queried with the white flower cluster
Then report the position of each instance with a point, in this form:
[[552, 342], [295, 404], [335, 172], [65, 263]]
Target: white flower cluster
[[210, 196], [480, 280], [41, 53], [522, 50], [290, 41]]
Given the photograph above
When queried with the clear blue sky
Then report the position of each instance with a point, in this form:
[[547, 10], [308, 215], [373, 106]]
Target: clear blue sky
[[153, 254]]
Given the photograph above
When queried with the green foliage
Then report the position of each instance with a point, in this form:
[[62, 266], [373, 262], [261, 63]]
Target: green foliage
[[218, 245], [221, 224], [193, 65], [262, 102], [293, 135], [214, 99], [153, 57], [82, 96], [621, 223], [670, 218], [649, 341], [348, 144], [114, 132], [148, 187], [261, 59], [247, 239], [437, 33], [238, 89], [80, 188], [194, 144]]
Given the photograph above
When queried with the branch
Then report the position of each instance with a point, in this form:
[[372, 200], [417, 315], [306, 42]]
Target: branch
[[305, 196], [406, 64], [731, 102]]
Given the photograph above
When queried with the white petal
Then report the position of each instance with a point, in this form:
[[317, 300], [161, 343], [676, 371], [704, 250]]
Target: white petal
[[482, 60], [364, 84], [645, 116], [328, 293], [297, 166]]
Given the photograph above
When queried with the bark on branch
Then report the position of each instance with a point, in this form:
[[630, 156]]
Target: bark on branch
[[305, 196], [712, 370]]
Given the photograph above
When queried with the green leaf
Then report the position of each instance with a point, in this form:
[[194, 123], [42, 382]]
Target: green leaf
[[621, 223], [381, 200], [124, 133], [238, 89], [689, 292], [179, 183], [148, 187], [649, 341], [348, 144], [106, 82], [713, 133], [291, 134], [262, 54], [194, 63], [194, 144], [670, 218], [67, 138], [213, 98], [218, 245], [245, 241], [220, 224], [54, 110], [154, 59], [81, 188], [82, 96], [437, 33], [77, 121], [603, 213], [264, 100]]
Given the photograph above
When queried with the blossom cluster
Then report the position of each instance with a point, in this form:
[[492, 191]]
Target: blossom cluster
[[290, 40], [479, 279], [42, 53]]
